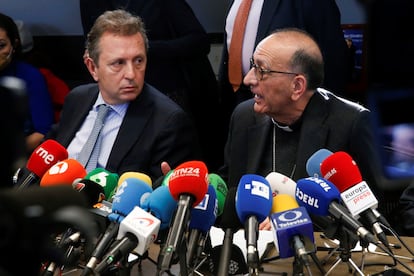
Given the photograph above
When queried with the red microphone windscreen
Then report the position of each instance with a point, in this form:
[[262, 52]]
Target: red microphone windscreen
[[340, 169], [66, 172], [45, 156], [189, 178]]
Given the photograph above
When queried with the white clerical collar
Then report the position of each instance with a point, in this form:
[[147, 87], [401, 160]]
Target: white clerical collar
[[285, 128]]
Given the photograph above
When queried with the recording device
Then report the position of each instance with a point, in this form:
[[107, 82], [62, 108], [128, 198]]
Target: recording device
[[162, 205], [188, 184], [136, 232], [292, 228], [144, 177], [103, 177], [93, 192], [230, 223], [281, 184], [253, 205], [342, 170], [321, 197], [65, 172], [313, 165], [131, 193], [203, 217], [221, 190], [40, 161]]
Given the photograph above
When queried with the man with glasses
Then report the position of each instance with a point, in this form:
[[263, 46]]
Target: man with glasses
[[290, 117]]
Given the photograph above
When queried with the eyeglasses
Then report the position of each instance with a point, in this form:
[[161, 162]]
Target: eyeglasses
[[260, 72]]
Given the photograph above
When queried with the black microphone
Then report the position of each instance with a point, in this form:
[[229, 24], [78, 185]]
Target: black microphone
[[136, 232], [230, 223]]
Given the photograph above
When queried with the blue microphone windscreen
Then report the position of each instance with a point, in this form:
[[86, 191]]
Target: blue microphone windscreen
[[162, 205], [204, 214], [253, 198], [132, 192], [313, 165], [288, 224], [316, 194]]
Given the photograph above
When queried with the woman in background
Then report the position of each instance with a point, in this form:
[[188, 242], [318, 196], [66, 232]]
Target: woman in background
[[39, 117]]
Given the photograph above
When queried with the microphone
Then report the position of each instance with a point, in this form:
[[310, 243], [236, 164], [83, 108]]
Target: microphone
[[292, 227], [43, 157], [281, 184], [321, 197], [66, 172], [253, 205], [230, 223], [132, 192], [188, 184], [221, 190], [144, 177], [203, 217], [313, 165], [136, 232], [108, 180], [93, 192], [342, 170], [162, 205]]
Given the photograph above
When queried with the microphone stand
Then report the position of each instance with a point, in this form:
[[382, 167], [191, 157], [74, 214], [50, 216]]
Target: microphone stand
[[345, 246]]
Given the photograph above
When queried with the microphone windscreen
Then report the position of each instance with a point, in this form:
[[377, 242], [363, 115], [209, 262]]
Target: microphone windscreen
[[313, 165], [281, 184], [290, 223], [253, 198], [66, 172], [283, 202], [108, 180], [204, 214], [132, 192], [162, 205], [221, 190], [341, 169], [316, 194], [93, 192], [190, 178], [144, 177], [45, 156], [229, 218]]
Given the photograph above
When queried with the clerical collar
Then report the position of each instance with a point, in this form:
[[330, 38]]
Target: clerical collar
[[283, 127]]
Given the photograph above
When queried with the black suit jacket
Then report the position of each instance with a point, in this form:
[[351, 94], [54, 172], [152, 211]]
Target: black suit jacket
[[154, 129], [320, 18], [329, 122]]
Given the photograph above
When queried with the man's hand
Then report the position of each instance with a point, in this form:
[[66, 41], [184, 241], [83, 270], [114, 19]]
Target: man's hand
[[265, 225]]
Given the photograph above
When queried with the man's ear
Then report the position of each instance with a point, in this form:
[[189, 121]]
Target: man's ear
[[92, 68], [299, 87]]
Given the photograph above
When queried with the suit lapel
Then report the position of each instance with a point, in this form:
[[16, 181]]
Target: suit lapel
[[139, 112], [310, 140], [257, 137]]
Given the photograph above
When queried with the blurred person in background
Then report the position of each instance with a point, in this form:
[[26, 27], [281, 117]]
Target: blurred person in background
[[40, 111]]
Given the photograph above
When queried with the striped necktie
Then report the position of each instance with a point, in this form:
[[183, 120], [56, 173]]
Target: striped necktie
[[90, 151]]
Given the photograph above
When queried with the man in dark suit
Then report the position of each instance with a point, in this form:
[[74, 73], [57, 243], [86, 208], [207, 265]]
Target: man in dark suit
[[320, 18], [178, 63], [290, 117], [144, 127]]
